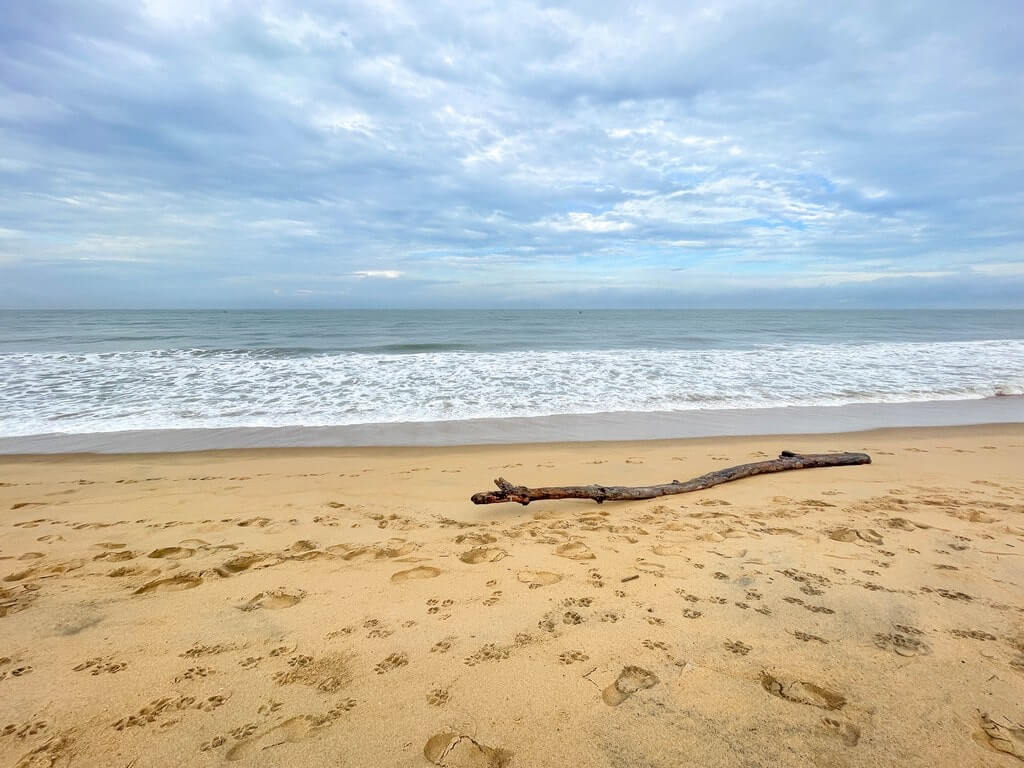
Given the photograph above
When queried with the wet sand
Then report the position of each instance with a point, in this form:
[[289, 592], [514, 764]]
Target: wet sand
[[350, 607], [582, 427]]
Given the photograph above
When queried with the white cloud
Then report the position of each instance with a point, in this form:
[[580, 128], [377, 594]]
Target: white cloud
[[686, 243], [586, 222], [840, 278], [333, 120], [381, 274], [289, 227]]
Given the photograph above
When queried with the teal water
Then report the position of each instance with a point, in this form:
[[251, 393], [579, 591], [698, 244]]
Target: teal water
[[407, 331]]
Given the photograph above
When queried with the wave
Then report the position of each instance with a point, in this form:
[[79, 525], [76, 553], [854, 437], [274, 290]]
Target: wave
[[169, 389], [415, 348]]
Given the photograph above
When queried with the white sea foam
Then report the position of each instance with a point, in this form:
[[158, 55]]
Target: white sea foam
[[168, 389]]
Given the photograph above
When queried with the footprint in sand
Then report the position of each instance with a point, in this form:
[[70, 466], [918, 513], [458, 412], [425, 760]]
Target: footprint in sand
[[536, 579], [475, 538], [454, 750], [574, 550], [646, 566], [482, 555], [290, 731], [848, 733], [45, 570], [849, 535], [670, 550], [242, 563], [274, 599], [379, 551], [903, 524], [901, 645], [1005, 736], [115, 555], [171, 584], [129, 571], [419, 572], [630, 680], [815, 503], [870, 536], [801, 692]]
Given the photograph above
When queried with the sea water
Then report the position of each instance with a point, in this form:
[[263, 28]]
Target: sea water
[[104, 371]]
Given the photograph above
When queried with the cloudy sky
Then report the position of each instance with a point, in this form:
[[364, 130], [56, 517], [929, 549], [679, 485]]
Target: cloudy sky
[[200, 153]]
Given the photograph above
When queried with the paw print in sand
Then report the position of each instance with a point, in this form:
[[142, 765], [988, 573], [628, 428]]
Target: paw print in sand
[[443, 646], [738, 647], [394, 661], [192, 673], [571, 657], [438, 697]]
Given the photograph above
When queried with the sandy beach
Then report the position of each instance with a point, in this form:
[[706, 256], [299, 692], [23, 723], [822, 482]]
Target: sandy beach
[[351, 607]]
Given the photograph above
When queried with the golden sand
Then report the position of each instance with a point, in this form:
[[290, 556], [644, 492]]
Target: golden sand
[[350, 607]]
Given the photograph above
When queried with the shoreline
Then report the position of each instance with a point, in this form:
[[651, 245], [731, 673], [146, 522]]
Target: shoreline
[[808, 442], [571, 428]]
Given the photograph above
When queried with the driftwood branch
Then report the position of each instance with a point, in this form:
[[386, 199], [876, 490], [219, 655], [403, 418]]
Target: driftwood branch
[[600, 493]]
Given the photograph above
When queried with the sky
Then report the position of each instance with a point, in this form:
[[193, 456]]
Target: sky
[[201, 153]]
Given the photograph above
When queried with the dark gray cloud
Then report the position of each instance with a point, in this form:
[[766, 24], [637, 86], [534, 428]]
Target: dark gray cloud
[[173, 153]]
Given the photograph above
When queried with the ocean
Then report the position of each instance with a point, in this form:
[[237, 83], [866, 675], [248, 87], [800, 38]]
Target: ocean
[[92, 372]]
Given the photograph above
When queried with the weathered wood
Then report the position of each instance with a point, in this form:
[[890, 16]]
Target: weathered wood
[[600, 493]]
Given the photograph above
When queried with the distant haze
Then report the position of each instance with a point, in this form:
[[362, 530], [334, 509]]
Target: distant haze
[[202, 153]]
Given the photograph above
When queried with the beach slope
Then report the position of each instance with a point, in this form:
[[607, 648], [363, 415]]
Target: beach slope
[[351, 607]]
